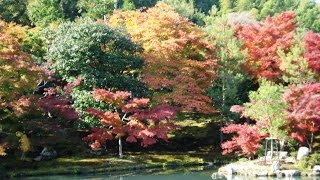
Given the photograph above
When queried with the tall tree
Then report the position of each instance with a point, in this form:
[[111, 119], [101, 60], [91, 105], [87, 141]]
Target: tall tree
[[19, 76], [179, 62], [227, 89]]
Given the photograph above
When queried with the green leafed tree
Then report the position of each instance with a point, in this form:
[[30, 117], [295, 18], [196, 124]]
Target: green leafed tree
[[144, 3], [226, 5], [308, 15], [294, 65], [231, 61], [187, 9], [128, 5], [275, 7], [268, 109], [206, 5], [101, 56], [14, 11], [96, 9], [230, 86], [247, 5], [43, 12]]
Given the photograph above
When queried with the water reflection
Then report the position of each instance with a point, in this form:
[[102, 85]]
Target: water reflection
[[165, 174], [216, 176]]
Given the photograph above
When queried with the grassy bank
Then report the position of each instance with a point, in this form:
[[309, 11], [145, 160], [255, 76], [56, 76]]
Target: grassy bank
[[103, 164], [195, 143]]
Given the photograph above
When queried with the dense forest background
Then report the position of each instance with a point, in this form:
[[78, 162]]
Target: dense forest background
[[76, 75]]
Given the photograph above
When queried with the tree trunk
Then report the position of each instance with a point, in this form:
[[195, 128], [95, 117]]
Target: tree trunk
[[120, 148], [116, 4], [223, 106], [311, 142]]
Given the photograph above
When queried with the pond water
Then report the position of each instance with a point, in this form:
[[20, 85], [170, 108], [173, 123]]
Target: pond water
[[162, 175]]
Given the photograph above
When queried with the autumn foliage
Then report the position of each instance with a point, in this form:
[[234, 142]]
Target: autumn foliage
[[246, 142], [132, 118], [303, 108], [312, 46], [179, 65], [19, 74], [263, 40]]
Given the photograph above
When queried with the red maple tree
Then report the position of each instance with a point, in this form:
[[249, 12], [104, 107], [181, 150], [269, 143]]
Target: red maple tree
[[304, 112], [263, 40], [312, 54], [132, 118], [246, 142]]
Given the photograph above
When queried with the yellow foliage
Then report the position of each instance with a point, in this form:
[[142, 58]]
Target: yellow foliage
[[24, 142], [178, 57], [18, 71], [2, 151]]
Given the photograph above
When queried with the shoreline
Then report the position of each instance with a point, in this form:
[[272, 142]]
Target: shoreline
[[106, 164]]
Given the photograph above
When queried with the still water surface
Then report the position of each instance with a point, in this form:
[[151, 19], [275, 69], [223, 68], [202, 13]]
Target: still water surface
[[174, 175]]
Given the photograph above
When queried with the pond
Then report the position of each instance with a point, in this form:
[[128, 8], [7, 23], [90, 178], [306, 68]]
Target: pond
[[174, 174]]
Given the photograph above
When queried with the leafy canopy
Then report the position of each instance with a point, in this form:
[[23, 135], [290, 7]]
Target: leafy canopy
[[179, 62]]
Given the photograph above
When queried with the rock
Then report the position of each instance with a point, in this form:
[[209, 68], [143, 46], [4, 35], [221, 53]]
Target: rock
[[230, 170], [217, 176], [261, 173], [283, 154], [48, 153], [302, 152], [314, 174], [290, 160], [316, 168], [290, 173], [275, 166], [38, 158]]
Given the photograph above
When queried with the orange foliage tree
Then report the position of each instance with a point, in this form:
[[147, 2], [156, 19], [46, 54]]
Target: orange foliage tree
[[263, 40], [19, 74], [179, 65]]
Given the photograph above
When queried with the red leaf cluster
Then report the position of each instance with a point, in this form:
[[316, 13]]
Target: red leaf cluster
[[110, 97], [246, 142], [312, 46], [133, 118], [59, 104], [67, 89], [263, 40], [304, 111]]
